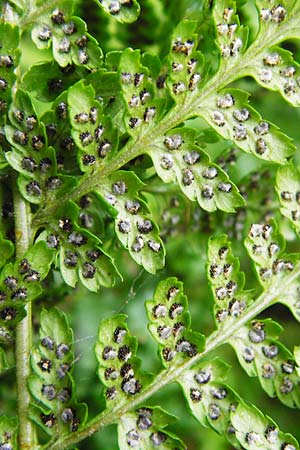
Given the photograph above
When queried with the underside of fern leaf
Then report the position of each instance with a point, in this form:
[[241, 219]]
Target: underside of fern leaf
[[144, 146]]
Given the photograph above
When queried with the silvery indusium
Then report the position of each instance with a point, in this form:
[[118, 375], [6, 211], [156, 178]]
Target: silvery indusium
[[101, 164]]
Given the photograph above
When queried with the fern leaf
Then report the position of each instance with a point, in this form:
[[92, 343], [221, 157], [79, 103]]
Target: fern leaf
[[231, 36], [9, 60], [170, 323], [209, 399], [227, 282], [59, 135], [261, 354], [266, 248], [119, 368], [36, 162], [121, 10], [288, 190], [92, 131], [232, 117], [276, 70], [254, 430], [177, 158], [133, 225], [78, 251], [145, 428], [8, 433], [142, 109], [51, 384], [67, 36], [47, 80], [186, 64], [20, 283], [215, 404]]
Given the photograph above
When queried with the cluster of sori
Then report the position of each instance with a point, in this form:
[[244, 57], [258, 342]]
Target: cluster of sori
[[275, 15], [114, 7], [265, 250], [271, 360], [184, 63], [145, 427], [137, 91], [6, 441], [52, 384], [230, 34], [200, 179], [290, 199], [117, 361], [68, 37], [7, 77], [216, 392], [222, 117], [34, 158], [15, 289], [132, 225], [210, 400], [91, 129], [276, 66], [226, 281], [144, 422], [77, 247], [169, 321]]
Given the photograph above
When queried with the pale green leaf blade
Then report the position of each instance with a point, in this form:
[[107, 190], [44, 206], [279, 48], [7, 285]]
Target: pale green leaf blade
[[230, 114], [227, 282], [177, 159], [142, 109], [48, 80], [261, 354], [39, 180], [288, 190], [256, 431], [209, 399], [67, 37], [231, 36], [186, 65], [266, 248], [9, 60], [134, 226], [92, 131], [276, 70], [124, 11], [52, 384], [119, 368], [20, 283], [8, 432], [145, 428], [169, 325], [81, 255]]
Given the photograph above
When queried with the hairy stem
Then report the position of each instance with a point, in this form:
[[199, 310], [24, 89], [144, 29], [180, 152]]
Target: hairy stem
[[26, 435], [217, 338]]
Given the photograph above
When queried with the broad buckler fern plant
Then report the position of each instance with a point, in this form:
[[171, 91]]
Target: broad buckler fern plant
[[138, 152]]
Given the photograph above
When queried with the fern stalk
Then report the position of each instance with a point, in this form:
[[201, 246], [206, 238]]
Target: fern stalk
[[24, 328]]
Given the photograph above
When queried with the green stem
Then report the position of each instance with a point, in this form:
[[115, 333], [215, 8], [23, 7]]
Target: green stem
[[26, 435], [216, 339]]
